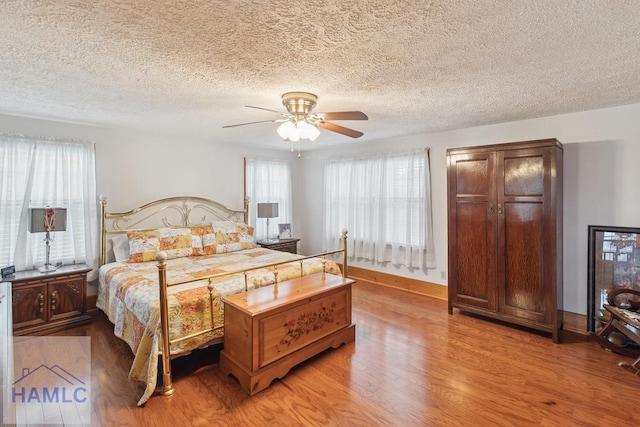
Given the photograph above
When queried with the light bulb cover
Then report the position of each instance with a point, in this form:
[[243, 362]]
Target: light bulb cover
[[308, 131], [295, 131], [285, 129]]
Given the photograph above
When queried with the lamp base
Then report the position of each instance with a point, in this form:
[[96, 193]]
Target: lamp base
[[47, 268]]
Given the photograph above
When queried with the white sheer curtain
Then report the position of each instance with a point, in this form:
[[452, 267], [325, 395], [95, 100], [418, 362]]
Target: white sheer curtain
[[38, 172], [385, 203], [268, 181]]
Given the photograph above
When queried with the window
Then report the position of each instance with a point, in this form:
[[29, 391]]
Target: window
[[268, 181], [39, 172], [385, 203], [618, 247]]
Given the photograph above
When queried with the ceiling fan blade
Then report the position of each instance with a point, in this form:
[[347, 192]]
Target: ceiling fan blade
[[343, 115], [340, 129], [267, 109], [252, 123]]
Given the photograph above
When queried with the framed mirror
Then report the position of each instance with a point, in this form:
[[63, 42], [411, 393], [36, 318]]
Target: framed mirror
[[614, 261]]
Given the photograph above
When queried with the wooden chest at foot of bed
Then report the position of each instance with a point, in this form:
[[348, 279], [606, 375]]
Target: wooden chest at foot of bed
[[269, 330]]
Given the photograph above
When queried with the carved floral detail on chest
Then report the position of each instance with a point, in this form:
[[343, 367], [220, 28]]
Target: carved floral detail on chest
[[306, 323]]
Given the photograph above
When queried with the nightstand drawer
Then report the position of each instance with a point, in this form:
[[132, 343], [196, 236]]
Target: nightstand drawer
[[283, 245]]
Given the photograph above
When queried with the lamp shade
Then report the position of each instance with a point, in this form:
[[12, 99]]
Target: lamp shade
[[47, 219], [267, 210]]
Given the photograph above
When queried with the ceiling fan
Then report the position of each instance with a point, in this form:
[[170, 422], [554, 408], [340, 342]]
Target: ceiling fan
[[300, 123]]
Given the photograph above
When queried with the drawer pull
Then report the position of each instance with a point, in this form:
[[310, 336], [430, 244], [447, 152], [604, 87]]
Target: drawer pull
[[54, 295], [40, 303]]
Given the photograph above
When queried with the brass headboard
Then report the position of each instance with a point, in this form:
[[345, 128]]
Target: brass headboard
[[182, 211]]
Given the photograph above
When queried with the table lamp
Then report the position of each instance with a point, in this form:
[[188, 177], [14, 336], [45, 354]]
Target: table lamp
[[47, 220], [267, 210]]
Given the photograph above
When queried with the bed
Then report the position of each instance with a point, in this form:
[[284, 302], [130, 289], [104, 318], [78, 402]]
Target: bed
[[165, 266]]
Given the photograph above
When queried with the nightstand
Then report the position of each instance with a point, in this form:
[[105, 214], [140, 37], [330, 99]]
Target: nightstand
[[49, 302], [283, 245]]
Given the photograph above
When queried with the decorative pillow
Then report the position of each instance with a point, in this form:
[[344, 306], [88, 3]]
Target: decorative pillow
[[120, 246], [143, 245], [246, 234], [197, 233], [179, 242], [245, 231], [175, 242], [224, 225], [227, 236]]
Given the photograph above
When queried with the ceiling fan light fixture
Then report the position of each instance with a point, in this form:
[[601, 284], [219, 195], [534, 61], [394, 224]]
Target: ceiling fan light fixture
[[308, 131], [295, 131], [288, 131]]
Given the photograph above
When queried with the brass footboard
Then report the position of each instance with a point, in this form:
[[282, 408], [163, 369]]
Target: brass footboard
[[161, 258]]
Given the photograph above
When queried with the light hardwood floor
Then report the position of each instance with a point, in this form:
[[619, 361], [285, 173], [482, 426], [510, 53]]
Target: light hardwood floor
[[411, 365]]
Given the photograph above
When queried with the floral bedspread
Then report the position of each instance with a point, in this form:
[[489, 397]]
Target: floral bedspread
[[129, 295]]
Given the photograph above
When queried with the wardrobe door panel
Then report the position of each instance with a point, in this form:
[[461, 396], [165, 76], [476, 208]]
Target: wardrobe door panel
[[475, 264], [473, 177], [524, 293], [521, 194], [523, 176], [472, 250]]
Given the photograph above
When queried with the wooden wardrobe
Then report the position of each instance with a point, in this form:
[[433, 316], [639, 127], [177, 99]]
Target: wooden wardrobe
[[505, 232]]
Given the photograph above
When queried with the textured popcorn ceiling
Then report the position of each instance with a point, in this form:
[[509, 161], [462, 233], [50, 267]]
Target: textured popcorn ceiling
[[189, 67]]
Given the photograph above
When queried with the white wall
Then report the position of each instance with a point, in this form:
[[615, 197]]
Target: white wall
[[134, 168], [137, 168], [602, 148], [601, 152]]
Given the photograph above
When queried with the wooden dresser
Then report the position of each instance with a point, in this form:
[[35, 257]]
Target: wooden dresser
[[49, 302], [505, 232], [269, 330]]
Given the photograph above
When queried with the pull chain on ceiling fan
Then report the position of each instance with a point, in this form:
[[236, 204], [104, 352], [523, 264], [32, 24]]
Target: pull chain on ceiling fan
[[300, 123]]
